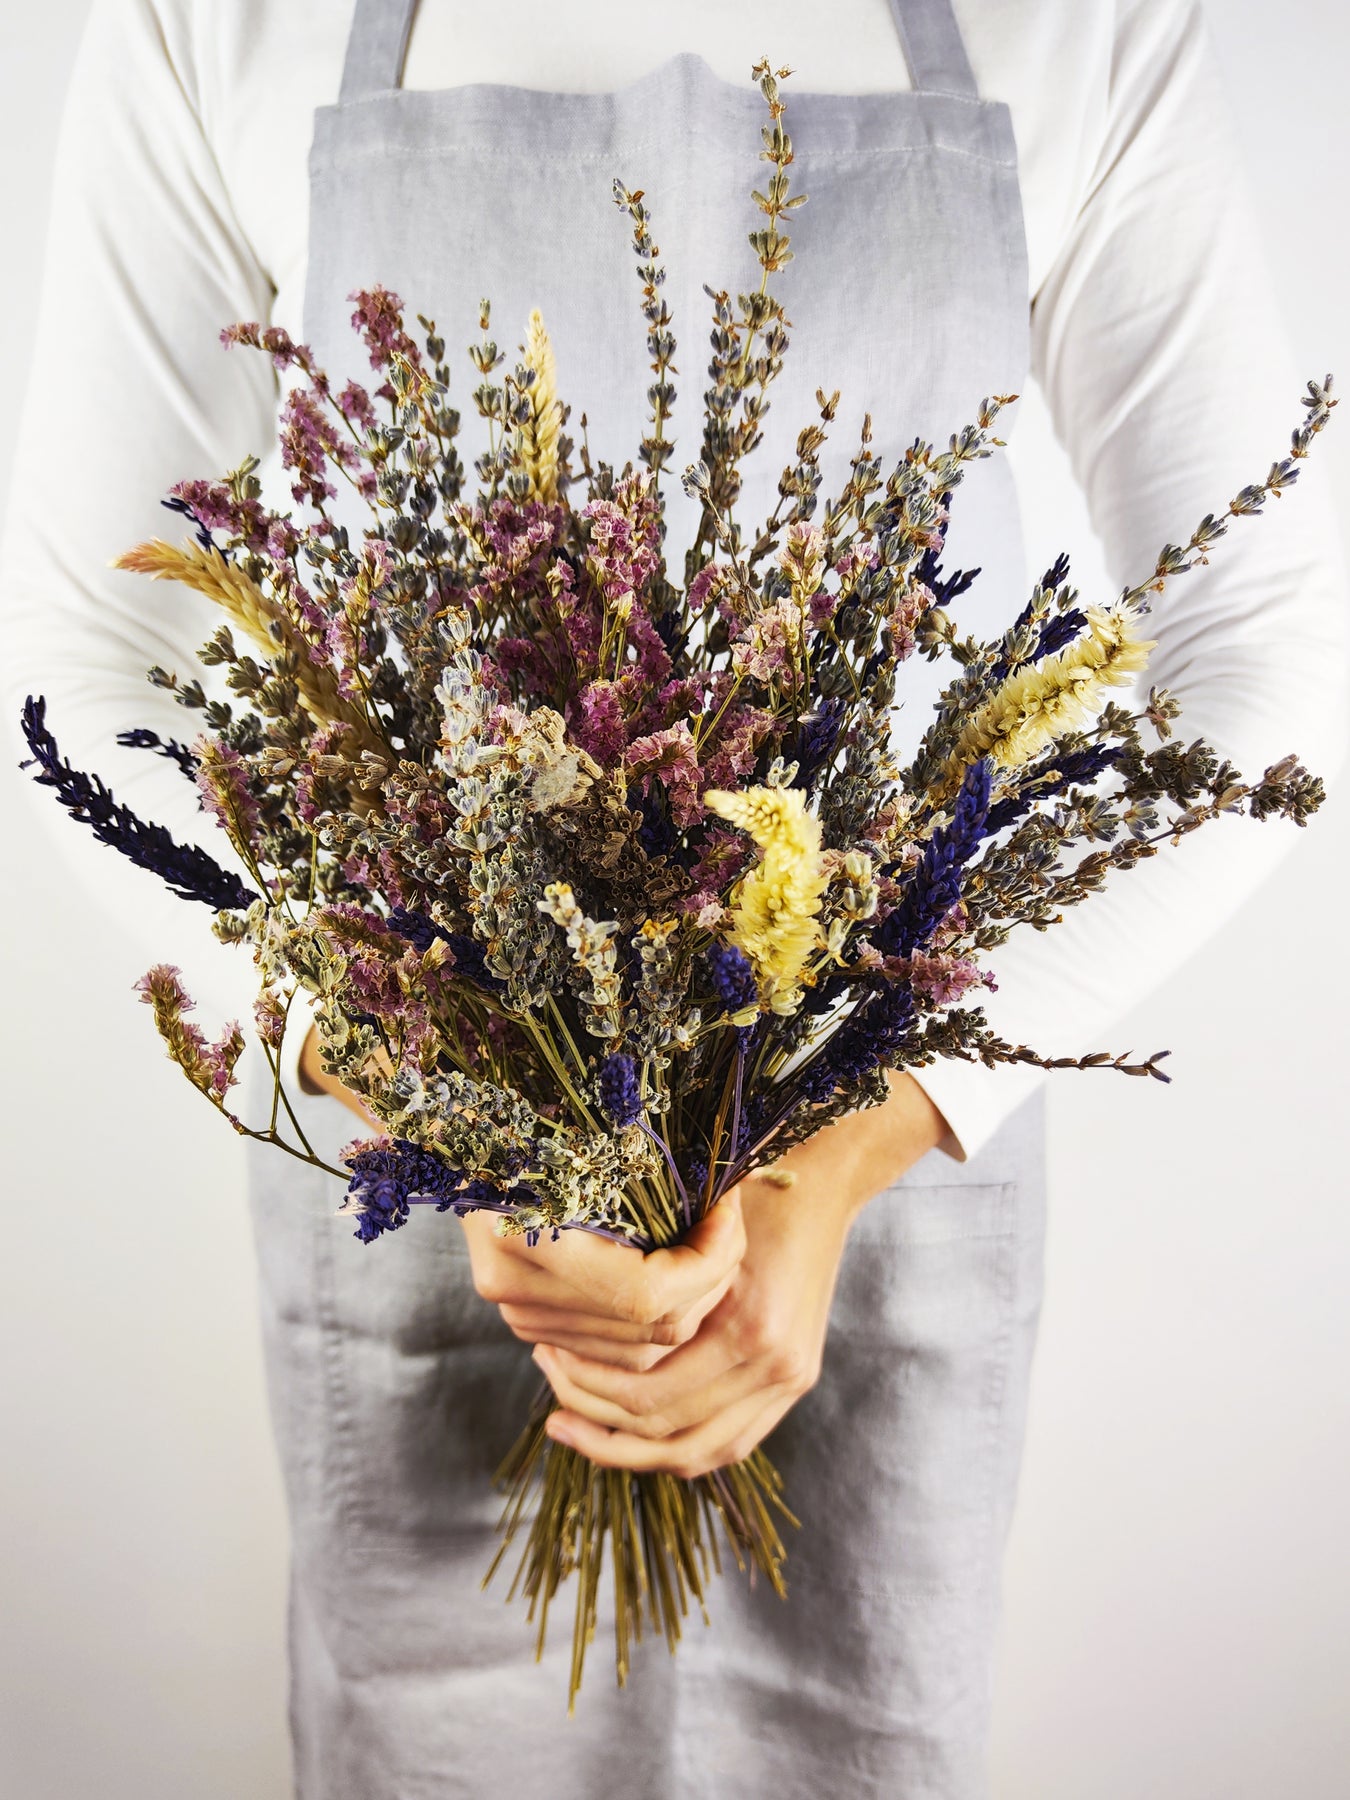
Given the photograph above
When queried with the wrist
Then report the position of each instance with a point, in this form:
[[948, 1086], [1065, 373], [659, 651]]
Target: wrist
[[853, 1159]]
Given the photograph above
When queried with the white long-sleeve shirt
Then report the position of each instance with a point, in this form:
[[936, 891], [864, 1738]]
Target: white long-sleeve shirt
[[180, 204]]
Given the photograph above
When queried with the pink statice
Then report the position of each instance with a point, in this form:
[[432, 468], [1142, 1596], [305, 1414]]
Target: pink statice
[[736, 746], [669, 755], [308, 439], [705, 908], [284, 539], [521, 537], [649, 660], [269, 1017], [910, 608], [225, 783], [355, 405], [598, 726], [941, 978], [209, 1067], [706, 585], [722, 860], [524, 663], [624, 542], [214, 507], [770, 645], [276, 341], [379, 320]]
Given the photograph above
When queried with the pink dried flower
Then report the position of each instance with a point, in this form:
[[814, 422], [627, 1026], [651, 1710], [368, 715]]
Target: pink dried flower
[[379, 319], [669, 754], [355, 404], [209, 1067], [941, 978], [600, 730]]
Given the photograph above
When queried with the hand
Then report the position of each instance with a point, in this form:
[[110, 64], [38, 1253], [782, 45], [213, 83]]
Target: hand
[[603, 1299], [710, 1401]]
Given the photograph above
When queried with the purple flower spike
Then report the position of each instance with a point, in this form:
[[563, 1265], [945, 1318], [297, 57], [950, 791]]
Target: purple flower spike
[[732, 977], [186, 868], [934, 887], [618, 1088]]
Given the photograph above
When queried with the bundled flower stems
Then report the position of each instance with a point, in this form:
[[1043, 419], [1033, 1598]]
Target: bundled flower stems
[[603, 876]]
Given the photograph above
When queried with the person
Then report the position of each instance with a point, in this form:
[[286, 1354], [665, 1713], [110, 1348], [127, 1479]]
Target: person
[[999, 190]]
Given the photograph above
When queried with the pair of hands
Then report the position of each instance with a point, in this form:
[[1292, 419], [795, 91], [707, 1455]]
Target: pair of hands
[[683, 1360]]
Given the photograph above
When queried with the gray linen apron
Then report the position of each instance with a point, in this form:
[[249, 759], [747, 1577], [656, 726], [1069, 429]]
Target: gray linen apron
[[394, 1389]]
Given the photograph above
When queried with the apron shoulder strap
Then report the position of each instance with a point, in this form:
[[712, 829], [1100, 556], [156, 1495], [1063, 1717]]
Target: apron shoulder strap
[[931, 40], [929, 35], [376, 46]]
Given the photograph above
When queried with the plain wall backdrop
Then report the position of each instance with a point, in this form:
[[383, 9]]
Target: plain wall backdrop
[[1177, 1607]]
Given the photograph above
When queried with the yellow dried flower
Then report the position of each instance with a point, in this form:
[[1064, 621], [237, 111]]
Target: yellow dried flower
[[259, 616], [775, 906], [539, 436], [1038, 703]]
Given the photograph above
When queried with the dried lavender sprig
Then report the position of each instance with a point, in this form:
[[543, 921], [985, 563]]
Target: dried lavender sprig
[[185, 868], [140, 737], [934, 886]]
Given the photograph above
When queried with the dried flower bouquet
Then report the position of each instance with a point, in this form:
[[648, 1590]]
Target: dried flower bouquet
[[608, 886]]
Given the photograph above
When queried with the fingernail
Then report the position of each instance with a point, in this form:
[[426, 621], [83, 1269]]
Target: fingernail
[[559, 1432]]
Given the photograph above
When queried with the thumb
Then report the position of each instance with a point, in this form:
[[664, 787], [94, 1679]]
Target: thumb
[[720, 1233]]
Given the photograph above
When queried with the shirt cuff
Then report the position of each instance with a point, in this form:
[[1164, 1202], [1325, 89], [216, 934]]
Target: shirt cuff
[[974, 1100]]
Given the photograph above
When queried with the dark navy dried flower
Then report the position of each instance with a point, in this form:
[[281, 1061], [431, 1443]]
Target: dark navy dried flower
[[944, 588], [178, 505], [877, 1028], [422, 932], [656, 834], [386, 1183], [817, 736], [1079, 769], [617, 1085], [142, 738], [1058, 633], [1055, 633], [732, 977], [934, 886], [186, 868]]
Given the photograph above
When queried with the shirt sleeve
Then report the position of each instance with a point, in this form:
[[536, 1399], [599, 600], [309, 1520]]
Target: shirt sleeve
[[130, 390], [1159, 345]]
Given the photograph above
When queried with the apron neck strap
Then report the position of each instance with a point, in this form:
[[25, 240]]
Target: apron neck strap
[[929, 36], [376, 46], [931, 40]]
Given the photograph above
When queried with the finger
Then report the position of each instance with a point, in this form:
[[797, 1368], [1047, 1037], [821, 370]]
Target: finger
[[664, 1285], [707, 1259], [728, 1438], [556, 1325], [614, 1280], [508, 1272], [695, 1382], [621, 1356], [583, 1272]]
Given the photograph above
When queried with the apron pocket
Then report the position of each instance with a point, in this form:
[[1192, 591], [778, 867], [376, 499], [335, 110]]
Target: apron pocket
[[396, 1389], [894, 1461]]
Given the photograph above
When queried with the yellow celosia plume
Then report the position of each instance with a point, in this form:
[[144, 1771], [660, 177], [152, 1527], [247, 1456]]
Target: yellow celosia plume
[[1039, 702], [775, 906]]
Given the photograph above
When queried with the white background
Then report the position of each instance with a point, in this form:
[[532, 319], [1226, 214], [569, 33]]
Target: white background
[[1177, 1619]]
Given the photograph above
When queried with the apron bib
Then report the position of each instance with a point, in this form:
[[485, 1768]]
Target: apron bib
[[394, 1389]]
